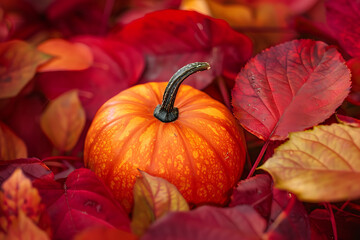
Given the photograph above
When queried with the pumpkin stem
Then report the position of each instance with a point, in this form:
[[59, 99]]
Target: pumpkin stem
[[166, 112]]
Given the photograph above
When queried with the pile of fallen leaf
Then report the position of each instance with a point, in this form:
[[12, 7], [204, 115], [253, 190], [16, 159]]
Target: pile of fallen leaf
[[289, 70]]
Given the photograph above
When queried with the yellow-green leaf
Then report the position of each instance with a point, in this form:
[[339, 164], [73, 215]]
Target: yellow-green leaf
[[63, 120], [154, 197], [319, 165], [18, 63], [11, 146]]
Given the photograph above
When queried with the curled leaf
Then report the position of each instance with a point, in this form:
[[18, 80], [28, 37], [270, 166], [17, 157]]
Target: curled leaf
[[64, 120], [67, 55], [19, 61], [289, 88], [154, 197], [320, 164], [11, 146]]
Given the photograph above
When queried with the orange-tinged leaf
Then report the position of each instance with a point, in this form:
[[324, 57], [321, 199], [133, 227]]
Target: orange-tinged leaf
[[200, 6], [18, 63], [63, 120], [67, 55], [25, 229], [11, 146], [18, 195], [154, 197], [319, 165]]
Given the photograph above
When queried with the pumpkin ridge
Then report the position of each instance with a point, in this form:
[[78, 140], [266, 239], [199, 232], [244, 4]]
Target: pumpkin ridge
[[155, 147], [103, 127], [122, 101], [189, 158], [132, 136], [216, 120], [210, 144], [158, 97]]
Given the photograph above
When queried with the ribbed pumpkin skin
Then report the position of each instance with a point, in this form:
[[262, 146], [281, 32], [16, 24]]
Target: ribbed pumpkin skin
[[201, 153]]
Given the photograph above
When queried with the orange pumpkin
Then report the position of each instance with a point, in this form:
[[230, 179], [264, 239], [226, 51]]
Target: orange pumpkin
[[196, 145]]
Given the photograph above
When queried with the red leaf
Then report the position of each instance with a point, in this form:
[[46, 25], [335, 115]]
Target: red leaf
[[255, 191], [354, 66], [343, 18], [241, 222], [77, 17], [286, 216], [171, 39], [19, 61], [116, 67], [347, 224], [11, 146], [289, 219], [289, 88], [104, 233], [24, 121], [83, 201]]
